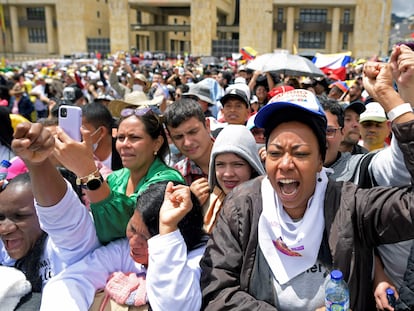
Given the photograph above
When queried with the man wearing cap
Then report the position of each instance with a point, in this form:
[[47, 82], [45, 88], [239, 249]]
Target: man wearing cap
[[236, 104], [355, 92], [201, 93], [337, 90], [352, 127], [74, 95], [375, 127]]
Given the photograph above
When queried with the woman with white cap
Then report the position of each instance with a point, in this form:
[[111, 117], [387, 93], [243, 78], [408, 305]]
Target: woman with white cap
[[278, 237]]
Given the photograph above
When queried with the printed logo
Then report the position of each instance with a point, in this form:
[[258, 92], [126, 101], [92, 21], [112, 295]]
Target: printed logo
[[284, 249]]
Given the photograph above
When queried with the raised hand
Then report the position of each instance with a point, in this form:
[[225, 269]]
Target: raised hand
[[75, 156], [32, 142], [177, 203], [201, 189]]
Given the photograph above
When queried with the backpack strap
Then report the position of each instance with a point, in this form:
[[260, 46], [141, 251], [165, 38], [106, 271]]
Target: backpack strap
[[365, 179]]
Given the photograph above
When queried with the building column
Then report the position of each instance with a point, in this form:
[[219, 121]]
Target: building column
[[119, 25], [14, 23], [336, 20], [161, 41], [290, 28], [256, 25], [51, 42], [203, 26]]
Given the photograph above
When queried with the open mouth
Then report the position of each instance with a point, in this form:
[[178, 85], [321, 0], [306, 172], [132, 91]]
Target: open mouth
[[12, 244], [288, 187]]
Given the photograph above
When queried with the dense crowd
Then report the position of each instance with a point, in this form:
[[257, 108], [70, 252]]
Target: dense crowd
[[206, 187]]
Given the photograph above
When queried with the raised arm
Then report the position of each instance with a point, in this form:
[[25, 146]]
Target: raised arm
[[387, 166], [173, 276], [34, 144]]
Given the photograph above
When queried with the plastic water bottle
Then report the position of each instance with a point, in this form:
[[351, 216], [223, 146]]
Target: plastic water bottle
[[390, 297], [336, 293], [4, 169]]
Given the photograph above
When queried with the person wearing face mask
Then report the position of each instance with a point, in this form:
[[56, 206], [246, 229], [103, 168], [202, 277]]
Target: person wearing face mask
[[136, 81], [98, 120]]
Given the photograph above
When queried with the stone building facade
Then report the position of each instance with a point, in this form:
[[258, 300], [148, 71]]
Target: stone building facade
[[198, 27]]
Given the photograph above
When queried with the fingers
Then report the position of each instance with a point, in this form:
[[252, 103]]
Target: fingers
[[32, 142], [168, 190], [372, 69]]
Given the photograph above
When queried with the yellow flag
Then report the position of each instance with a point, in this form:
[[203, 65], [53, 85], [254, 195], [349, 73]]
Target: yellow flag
[[3, 62], [295, 50], [2, 23]]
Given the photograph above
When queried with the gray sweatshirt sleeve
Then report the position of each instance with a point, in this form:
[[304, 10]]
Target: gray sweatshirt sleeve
[[388, 167]]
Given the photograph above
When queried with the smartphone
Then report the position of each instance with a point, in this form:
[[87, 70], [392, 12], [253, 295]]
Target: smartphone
[[70, 120]]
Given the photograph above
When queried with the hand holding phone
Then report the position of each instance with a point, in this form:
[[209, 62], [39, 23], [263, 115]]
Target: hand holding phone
[[70, 120]]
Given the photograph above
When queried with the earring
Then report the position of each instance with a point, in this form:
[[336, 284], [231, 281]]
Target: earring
[[155, 153]]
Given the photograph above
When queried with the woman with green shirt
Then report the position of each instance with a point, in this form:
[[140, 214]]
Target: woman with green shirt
[[142, 145]]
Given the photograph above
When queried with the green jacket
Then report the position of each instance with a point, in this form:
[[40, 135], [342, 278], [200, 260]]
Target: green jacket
[[112, 214]]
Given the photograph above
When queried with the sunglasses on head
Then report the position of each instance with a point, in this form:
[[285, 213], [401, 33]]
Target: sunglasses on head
[[127, 112]]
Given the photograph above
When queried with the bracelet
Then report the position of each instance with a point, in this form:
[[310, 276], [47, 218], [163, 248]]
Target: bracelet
[[398, 111], [80, 179]]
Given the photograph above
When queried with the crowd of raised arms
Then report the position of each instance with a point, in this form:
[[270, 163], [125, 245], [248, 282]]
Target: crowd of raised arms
[[206, 188]]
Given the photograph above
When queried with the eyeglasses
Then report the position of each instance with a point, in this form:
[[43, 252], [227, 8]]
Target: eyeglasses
[[331, 131], [127, 112]]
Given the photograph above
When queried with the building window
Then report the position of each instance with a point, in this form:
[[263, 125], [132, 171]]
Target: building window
[[98, 14], [347, 16], [139, 17], [99, 31], [345, 41], [279, 37], [280, 12], [313, 15], [101, 45], [37, 35], [36, 14], [312, 40]]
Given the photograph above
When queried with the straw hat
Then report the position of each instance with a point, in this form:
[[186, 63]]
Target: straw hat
[[141, 77], [134, 99], [16, 89]]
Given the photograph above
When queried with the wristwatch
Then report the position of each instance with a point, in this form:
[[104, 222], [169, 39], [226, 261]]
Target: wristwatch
[[90, 182], [93, 183]]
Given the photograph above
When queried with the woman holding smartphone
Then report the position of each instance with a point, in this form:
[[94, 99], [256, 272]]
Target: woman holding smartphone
[[142, 145]]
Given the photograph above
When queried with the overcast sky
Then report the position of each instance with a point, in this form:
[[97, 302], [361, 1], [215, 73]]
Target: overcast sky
[[403, 7]]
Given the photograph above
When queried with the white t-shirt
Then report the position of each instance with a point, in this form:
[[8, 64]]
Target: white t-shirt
[[304, 292]]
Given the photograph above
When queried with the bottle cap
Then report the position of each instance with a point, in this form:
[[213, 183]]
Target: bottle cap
[[389, 291], [5, 163], [336, 275]]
